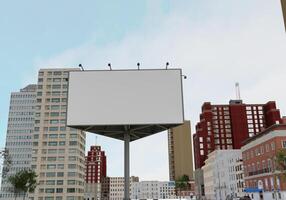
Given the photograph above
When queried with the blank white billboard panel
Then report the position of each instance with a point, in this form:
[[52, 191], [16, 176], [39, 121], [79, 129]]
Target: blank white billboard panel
[[125, 97]]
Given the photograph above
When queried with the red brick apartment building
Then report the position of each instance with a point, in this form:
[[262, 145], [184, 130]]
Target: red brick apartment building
[[227, 126], [260, 166], [95, 165]]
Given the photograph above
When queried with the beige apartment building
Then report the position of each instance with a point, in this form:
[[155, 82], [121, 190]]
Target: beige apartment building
[[113, 187], [58, 152], [180, 151]]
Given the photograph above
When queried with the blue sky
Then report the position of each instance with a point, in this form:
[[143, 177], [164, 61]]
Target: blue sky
[[215, 42]]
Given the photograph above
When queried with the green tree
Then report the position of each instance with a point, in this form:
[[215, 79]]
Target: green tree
[[23, 181], [182, 183], [281, 161]]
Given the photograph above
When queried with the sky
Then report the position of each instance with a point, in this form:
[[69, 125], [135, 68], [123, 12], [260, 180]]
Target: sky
[[216, 43]]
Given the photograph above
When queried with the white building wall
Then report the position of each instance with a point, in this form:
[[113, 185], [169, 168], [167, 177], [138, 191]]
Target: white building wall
[[19, 134], [153, 190], [220, 174], [209, 181], [117, 187]]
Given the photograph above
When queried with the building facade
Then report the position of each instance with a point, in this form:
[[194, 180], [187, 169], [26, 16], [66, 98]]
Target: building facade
[[180, 151], [95, 172], [113, 187], [240, 184], [153, 190], [19, 135], [221, 176], [58, 152], [262, 175], [227, 126]]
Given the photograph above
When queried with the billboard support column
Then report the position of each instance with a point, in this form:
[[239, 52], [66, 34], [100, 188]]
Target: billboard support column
[[126, 165]]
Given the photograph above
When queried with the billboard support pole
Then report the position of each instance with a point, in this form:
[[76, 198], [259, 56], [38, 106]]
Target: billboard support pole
[[126, 165]]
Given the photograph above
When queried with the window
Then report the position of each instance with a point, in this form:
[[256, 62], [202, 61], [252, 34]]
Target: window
[[51, 166], [59, 190], [272, 146], [50, 174], [52, 144], [60, 174], [61, 166], [262, 149], [52, 159], [41, 73], [284, 144], [62, 143], [50, 182], [71, 190], [57, 73], [57, 80], [55, 107], [60, 182], [55, 114], [71, 182], [56, 86], [267, 147], [53, 128], [54, 121], [55, 100], [50, 190]]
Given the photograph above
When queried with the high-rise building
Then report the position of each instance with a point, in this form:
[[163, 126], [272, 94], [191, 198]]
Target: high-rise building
[[19, 135], [95, 165], [180, 151], [227, 126], [58, 152], [95, 172]]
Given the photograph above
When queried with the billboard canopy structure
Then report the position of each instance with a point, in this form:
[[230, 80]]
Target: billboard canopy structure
[[109, 103]]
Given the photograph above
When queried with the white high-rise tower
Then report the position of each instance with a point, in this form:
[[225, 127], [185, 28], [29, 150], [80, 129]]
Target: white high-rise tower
[[19, 135]]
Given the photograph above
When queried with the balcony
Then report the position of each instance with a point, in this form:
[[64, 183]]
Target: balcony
[[261, 171]]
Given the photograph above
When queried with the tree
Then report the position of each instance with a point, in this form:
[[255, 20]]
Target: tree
[[7, 162], [23, 181], [182, 183], [281, 161]]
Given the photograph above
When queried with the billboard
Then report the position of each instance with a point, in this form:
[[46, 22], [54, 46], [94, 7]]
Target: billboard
[[114, 99]]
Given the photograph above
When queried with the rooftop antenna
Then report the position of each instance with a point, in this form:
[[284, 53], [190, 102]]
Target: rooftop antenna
[[138, 65], [237, 90], [95, 140], [109, 65], [80, 66], [167, 64]]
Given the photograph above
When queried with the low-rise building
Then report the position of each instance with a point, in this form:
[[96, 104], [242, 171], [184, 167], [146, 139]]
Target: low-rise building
[[220, 175], [153, 190], [112, 188], [263, 178], [187, 192]]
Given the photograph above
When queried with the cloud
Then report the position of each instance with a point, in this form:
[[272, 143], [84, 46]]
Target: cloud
[[215, 50]]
